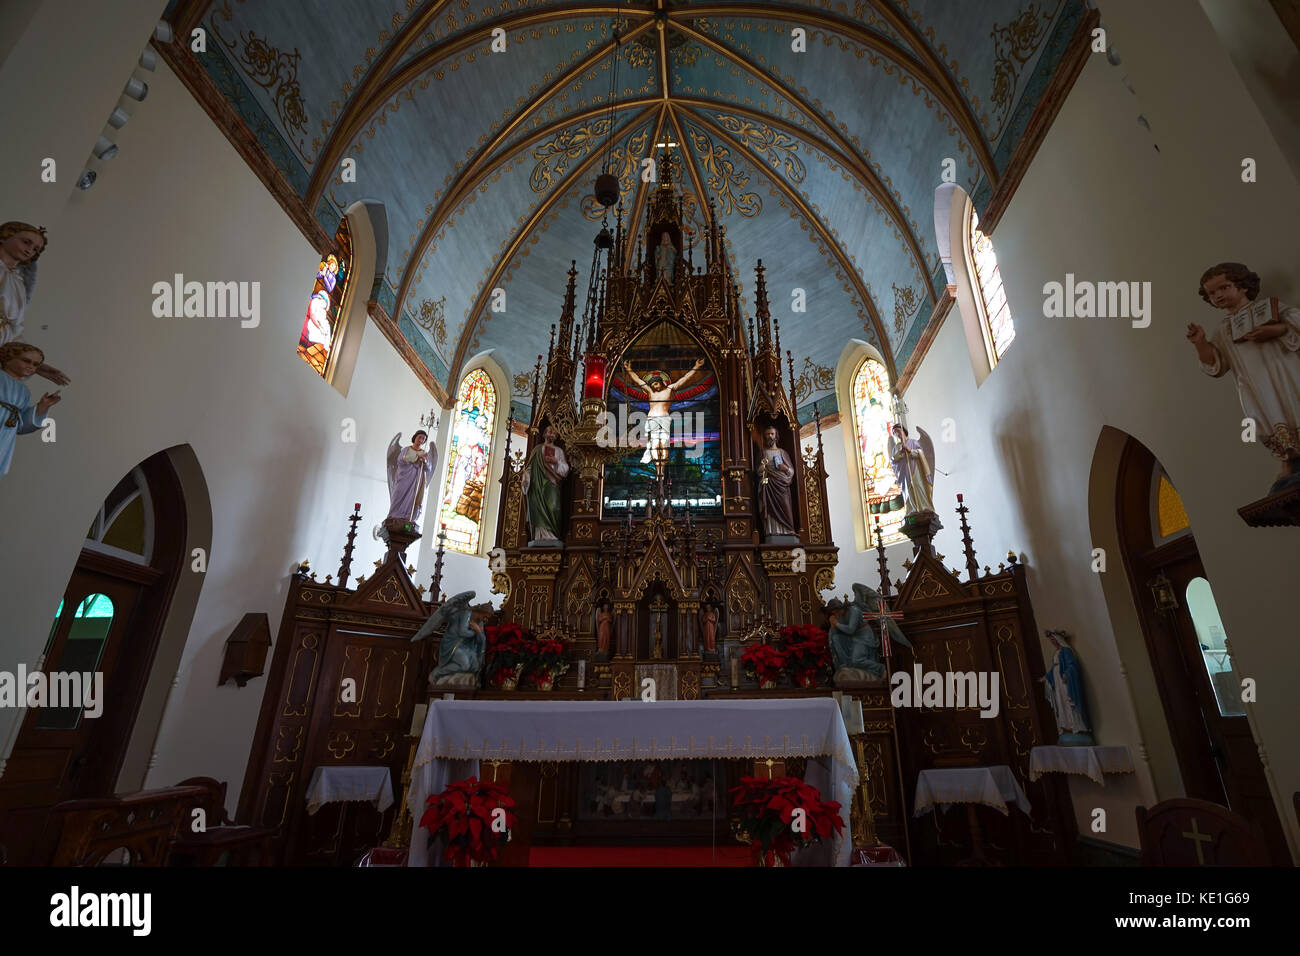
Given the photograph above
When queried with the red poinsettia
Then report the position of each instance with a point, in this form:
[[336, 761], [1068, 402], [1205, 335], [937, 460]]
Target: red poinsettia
[[764, 662], [807, 653], [473, 818], [506, 645], [544, 660], [766, 813]]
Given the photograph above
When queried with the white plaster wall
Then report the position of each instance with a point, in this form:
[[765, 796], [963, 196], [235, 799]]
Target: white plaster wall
[[1101, 202], [266, 429]]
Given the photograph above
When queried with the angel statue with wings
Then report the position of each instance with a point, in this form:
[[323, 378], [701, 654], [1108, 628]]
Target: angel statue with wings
[[855, 644], [409, 471], [464, 642], [913, 462]]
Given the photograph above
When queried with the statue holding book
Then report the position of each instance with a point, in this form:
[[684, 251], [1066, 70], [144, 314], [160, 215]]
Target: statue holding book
[[1258, 340]]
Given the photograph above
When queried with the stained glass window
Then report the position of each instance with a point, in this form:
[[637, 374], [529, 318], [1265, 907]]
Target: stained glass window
[[999, 329], [872, 415], [322, 325], [468, 462]]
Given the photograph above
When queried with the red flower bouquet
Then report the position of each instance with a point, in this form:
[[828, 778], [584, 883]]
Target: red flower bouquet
[[763, 662], [544, 662], [506, 646], [776, 817], [472, 818], [807, 654]]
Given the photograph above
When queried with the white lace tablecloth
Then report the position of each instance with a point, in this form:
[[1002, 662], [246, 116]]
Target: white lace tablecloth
[[349, 784], [991, 786], [1091, 762], [460, 733]]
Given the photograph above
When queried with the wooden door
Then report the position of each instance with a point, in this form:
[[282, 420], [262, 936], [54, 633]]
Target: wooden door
[[1217, 755], [54, 757], [1198, 639]]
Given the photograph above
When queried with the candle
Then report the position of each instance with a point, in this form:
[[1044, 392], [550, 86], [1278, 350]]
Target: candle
[[582, 674], [859, 723], [356, 506], [959, 497], [735, 671]]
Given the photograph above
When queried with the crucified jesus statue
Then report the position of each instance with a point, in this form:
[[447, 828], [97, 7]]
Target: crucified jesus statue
[[660, 391]]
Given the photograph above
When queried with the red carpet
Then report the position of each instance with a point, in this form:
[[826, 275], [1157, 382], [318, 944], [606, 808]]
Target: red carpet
[[638, 856]]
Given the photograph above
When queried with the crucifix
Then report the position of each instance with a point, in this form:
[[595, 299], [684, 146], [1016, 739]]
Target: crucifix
[[1198, 838], [883, 617]]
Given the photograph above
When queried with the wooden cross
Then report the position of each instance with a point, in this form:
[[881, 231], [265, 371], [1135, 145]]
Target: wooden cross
[[883, 617], [1198, 838]]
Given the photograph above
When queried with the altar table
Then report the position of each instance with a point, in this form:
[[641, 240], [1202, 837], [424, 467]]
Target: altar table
[[460, 733], [350, 785]]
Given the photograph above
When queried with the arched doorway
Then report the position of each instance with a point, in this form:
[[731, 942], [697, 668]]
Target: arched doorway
[[1198, 687], [107, 625]]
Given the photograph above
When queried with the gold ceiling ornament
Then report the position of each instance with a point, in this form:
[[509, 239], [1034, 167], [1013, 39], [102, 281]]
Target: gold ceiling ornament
[[432, 318], [813, 378], [906, 302], [1013, 45], [723, 178], [776, 147], [522, 384], [553, 157]]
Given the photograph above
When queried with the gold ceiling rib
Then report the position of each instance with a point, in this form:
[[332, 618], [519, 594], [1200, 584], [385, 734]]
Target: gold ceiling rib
[[391, 54], [931, 73], [521, 235], [458, 190], [359, 111], [866, 176], [701, 197], [643, 193], [850, 272], [463, 187]]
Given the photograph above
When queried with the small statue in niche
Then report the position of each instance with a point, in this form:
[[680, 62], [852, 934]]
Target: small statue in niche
[[1063, 685], [666, 257], [604, 628], [709, 628], [658, 651], [464, 642], [541, 483], [855, 645], [410, 470], [1258, 340], [775, 476], [913, 463]]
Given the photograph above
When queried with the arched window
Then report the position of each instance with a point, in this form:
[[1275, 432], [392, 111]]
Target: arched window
[[872, 415], [323, 326], [995, 314], [469, 462], [124, 525]]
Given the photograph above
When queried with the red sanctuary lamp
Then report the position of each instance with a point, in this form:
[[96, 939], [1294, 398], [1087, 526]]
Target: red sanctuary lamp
[[593, 382]]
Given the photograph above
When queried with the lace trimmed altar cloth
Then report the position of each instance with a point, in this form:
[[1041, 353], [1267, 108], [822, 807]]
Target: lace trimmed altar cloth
[[350, 784], [1090, 762], [991, 786], [460, 733]]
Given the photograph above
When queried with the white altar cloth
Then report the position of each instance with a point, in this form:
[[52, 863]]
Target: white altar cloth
[[350, 784], [459, 733], [991, 786], [1089, 761]]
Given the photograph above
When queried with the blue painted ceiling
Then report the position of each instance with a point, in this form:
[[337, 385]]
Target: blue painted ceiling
[[822, 163]]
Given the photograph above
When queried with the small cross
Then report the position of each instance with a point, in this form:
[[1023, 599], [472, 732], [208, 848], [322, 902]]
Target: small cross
[[1199, 838], [883, 617]]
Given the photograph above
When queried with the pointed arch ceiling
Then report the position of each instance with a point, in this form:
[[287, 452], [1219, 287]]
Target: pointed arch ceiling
[[822, 163]]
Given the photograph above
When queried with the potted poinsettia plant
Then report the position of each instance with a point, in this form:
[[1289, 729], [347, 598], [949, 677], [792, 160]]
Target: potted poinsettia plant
[[506, 647], [473, 819], [545, 662], [764, 663], [807, 654], [776, 817]]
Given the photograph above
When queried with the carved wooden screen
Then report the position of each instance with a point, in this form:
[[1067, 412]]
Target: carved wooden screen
[[983, 626], [310, 718]]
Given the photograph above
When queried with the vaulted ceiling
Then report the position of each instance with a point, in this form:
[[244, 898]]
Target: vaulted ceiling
[[823, 163]]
